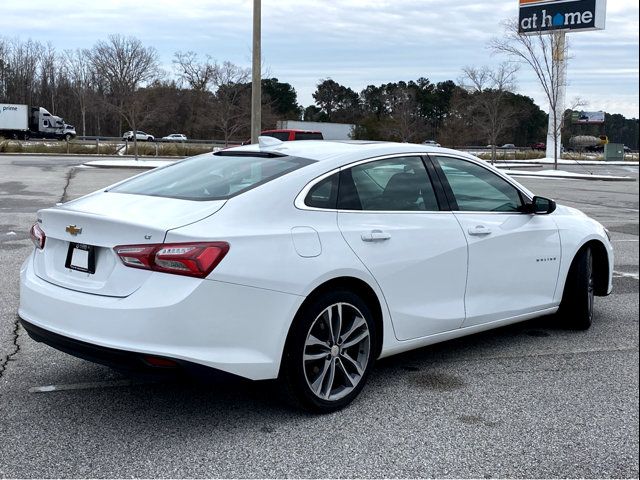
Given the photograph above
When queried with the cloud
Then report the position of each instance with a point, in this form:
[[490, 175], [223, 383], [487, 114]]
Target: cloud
[[355, 42]]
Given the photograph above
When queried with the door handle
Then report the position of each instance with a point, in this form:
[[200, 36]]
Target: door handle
[[479, 230], [375, 236]]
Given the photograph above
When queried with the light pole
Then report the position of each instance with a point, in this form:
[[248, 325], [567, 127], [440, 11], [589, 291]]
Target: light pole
[[256, 86]]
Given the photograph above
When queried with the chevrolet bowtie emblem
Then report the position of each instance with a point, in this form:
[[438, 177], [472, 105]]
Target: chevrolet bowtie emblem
[[73, 230]]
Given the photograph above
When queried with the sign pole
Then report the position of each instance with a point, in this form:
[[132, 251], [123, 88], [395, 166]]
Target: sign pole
[[256, 81], [554, 137]]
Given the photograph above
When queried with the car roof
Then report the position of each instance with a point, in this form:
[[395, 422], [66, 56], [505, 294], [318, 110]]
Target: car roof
[[332, 154], [323, 150]]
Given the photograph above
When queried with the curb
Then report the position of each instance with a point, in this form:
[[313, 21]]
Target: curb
[[85, 155], [606, 178], [627, 163], [130, 164]]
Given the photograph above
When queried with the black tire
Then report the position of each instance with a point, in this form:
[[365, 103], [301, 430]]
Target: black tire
[[67, 137], [576, 308], [295, 370]]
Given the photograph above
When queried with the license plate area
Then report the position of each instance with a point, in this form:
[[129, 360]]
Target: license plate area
[[81, 257]]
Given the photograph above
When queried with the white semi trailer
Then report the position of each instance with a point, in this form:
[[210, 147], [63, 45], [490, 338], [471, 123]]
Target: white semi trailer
[[21, 122], [330, 131]]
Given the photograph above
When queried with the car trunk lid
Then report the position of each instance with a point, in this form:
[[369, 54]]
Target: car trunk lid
[[100, 222]]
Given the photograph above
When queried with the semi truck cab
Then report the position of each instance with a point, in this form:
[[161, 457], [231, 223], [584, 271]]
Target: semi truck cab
[[42, 123]]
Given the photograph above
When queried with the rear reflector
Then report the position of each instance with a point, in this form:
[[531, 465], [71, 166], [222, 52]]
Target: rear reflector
[[160, 362], [192, 259], [37, 236]]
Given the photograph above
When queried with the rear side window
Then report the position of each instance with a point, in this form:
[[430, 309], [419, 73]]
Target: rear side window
[[323, 194], [395, 184], [211, 177], [309, 136]]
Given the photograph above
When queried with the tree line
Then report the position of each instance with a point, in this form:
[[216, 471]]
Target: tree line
[[117, 85]]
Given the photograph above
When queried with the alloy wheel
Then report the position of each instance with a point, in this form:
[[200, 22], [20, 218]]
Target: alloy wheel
[[336, 351]]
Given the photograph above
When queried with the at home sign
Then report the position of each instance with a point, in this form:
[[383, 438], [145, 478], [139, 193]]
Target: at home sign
[[552, 15]]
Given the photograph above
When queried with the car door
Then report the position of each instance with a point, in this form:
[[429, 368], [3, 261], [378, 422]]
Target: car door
[[389, 214], [514, 257]]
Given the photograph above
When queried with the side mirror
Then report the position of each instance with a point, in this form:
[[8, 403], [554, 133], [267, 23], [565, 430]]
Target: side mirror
[[540, 206]]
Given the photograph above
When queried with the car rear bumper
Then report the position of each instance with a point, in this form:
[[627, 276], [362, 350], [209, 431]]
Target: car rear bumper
[[111, 357], [228, 327]]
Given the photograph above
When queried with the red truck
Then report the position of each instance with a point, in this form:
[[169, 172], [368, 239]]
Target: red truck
[[291, 134]]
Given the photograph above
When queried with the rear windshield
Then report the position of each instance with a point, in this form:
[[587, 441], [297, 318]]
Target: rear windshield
[[284, 136], [211, 177], [309, 136]]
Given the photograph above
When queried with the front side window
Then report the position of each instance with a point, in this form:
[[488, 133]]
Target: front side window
[[478, 189], [395, 184], [211, 177]]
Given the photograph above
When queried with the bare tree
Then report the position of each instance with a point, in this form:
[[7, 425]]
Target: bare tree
[[546, 54], [197, 74], [232, 109], [125, 64], [455, 129], [487, 104], [20, 65], [48, 75], [77, 66], [404, 122], [5, 73]]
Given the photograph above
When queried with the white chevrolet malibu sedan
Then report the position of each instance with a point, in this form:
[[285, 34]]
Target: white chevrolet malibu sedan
[[306, 262]]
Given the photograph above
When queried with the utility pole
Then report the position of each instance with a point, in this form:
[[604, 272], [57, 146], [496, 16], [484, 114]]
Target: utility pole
[[256, 81]]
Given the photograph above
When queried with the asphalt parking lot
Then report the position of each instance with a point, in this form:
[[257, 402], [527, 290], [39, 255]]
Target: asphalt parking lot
[[529, 400]]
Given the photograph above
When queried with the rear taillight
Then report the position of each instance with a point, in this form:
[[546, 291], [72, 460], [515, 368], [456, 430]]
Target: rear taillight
[[191, 259], [37, 236]]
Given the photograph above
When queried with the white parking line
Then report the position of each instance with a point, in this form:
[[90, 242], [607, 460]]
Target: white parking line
[[87, 385], [625, 275], [634, 240]]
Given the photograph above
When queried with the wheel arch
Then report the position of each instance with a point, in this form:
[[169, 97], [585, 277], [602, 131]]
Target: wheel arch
[[601, 265], [352, 284]]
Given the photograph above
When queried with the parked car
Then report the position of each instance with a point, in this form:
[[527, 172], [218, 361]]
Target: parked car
[[306, 262], [140, 135], [539, 146], [433, 143], [175, 137], [508, 145], [291, 134]]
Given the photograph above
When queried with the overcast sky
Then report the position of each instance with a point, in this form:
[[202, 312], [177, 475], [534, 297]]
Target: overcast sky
[[354, 42]]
